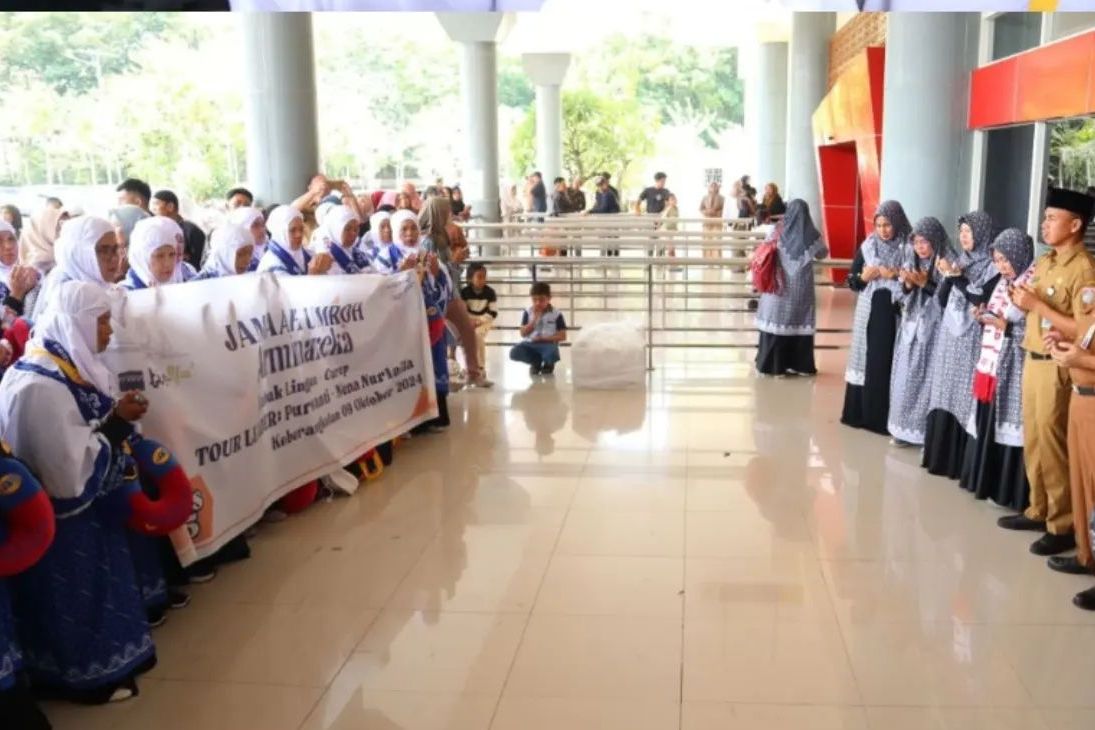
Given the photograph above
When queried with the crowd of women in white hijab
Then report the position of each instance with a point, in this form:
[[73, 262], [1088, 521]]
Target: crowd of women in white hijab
[[81, 588]]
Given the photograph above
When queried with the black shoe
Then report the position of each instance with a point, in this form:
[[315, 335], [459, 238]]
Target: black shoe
[[1068, 564], [534, 370], [1085, 599], [1049, 544], [548, 369], [201, 572], [177, 599], [1020, 522], [157, 617]]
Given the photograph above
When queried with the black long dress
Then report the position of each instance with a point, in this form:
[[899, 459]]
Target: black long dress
[[945, 436], [867, 406], [991, 470]]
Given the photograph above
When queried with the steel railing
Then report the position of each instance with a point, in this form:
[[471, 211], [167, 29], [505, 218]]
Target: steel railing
[[666, 288]]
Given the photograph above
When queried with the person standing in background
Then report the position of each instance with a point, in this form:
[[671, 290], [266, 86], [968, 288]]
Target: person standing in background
[[655, 197], [537, 194], [166, 204], [576, 196], [711, 207]]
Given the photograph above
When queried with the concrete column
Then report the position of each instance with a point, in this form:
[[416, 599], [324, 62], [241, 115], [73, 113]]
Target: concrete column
[[807, 84], [479, 34], [547, 71], [766, 95], [280, 88], [924, 137]]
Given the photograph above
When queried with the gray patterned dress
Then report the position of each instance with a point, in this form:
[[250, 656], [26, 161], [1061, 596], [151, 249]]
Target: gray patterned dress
[[920, 318], [993, 466], [874, 327], [957, 350], [787, 320]]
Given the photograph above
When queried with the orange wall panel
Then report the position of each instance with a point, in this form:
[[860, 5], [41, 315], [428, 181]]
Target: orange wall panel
[[1053, 81]]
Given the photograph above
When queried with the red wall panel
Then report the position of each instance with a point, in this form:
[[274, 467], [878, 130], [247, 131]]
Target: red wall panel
[[1053, 81]]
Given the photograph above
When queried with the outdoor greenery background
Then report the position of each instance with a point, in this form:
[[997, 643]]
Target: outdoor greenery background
[[92, 98]]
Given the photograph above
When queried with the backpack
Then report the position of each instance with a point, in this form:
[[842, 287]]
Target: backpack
[[764, 270]]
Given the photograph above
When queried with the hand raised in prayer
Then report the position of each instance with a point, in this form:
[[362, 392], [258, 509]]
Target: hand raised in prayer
[[131, 406], [869, 273], [1050, 340], [460, 255], [1024, 297], [988, 318], [433, 264], [409, 263], [320, 264], [945, 267], [1065, 354], [887, 273], [23, 279]]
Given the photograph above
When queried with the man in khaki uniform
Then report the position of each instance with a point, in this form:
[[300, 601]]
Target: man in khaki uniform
[[1050, 299], [1079, 358]]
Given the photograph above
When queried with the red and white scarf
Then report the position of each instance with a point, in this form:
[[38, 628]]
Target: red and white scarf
[[992, 338]]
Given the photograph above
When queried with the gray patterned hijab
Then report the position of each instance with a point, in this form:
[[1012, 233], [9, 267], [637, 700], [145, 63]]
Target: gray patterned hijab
[[895, 214], [976, 265], [797, 234], [1017, 247], [890, 254], [932, 231]]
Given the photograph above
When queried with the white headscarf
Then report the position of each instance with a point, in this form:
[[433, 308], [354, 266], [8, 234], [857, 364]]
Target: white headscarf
[[398, 219], [75, 256], [246, 217], [374, 227], [5, 270], [278, 225], [333, 224], [72, 322], [224, 244], [149, 235]]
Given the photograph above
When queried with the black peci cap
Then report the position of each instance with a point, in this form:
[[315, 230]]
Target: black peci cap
[[1081, 204]]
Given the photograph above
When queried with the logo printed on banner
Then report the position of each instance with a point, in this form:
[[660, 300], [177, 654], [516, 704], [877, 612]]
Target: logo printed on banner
[[172, 375], [131, 380]]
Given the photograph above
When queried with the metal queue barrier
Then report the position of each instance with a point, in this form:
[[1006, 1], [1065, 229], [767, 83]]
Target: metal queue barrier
[[708, 275]]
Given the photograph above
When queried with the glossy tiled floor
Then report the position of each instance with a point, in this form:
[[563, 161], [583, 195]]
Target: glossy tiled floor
[[716, 553]]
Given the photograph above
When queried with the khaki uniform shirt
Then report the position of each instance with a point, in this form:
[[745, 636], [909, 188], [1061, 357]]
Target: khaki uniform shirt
[[1085, 330], [1058, 279]]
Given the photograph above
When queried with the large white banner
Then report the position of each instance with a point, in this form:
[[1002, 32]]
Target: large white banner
[[259, 384]]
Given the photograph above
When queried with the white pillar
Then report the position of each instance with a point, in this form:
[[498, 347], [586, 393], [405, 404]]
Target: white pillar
[[479, 34], [280, 87], [924, 114], [807, 84], [547, 71], [766, 93]]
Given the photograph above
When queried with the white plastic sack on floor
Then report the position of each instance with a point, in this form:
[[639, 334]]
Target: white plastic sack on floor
[[609, 355]]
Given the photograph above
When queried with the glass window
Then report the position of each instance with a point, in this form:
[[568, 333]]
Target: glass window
[[1072, 157], [1008, 159], [1066, 24], [1014, 33]]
